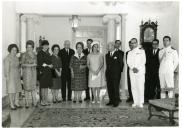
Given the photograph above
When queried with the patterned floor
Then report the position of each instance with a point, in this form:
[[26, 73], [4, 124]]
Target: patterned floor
[[92, 117]]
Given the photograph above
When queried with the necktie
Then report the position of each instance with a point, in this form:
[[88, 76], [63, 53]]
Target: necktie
[[79, 56], [154, 52], [111, 54]]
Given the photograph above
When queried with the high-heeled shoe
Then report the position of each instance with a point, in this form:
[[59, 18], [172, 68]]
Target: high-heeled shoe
[[35, 104], [54, 101], [43, 104], [13, 108], [26, 106], [47, 104], [58, 101], [18, 106]]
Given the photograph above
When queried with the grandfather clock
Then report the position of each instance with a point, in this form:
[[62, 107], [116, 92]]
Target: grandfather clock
[[148, 32]]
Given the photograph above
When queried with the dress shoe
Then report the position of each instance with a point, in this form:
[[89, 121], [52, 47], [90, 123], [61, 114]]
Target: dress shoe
[[86, 99], [120, 100], [141, 105], [134, 105], [108, 104], [129, 100], [69, 99], [74, 101], [64, 99], [115, 105], [80, 101], [146, 101]]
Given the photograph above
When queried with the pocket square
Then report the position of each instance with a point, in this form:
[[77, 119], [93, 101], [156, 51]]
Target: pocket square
[[115, 57]]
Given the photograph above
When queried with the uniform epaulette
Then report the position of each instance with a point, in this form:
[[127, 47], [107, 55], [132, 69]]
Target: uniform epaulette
[[141, 48], [173, 48]]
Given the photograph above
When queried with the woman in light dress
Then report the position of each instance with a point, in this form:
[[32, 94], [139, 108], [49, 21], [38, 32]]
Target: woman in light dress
[[29, 72], [95, 63], [12, 75]]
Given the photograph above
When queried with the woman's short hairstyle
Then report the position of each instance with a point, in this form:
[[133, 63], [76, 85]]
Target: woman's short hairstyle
[[93, 47], [45, 42], [80, 43], [55, 46], [30, 42], [134, 39], [11, 46]]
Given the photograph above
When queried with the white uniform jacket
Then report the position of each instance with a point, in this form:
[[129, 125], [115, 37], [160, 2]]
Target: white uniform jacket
[[168, 60], [137, 58]]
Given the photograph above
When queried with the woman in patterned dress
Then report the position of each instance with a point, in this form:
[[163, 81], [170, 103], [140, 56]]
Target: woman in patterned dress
[[29, 63], [57, 68], [95, 63], [12, 74], [78, 66]]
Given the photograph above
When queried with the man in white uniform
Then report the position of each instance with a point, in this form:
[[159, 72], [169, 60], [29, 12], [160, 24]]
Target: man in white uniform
[[136, 60], [168, 63]]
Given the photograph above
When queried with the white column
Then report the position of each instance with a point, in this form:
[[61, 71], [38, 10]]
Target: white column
[[23, 34], [111, 21], [118, 30], [28, 29], [124, 85]]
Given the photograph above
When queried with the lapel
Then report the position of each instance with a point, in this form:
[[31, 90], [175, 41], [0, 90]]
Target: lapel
[[66, 52]]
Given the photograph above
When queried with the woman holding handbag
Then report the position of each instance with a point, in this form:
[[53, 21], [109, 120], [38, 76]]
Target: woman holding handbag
[[56, 73]]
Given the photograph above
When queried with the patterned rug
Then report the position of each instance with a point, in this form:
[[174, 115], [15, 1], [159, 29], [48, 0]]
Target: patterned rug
[[92, 117]]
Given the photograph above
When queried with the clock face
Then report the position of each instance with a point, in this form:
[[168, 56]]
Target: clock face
[[148, 35]]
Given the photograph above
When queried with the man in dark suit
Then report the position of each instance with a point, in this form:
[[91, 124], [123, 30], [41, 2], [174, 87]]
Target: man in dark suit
[[117, 47], [114, 67], [130, 98], [66, 53], [152, 85], [87, 51]]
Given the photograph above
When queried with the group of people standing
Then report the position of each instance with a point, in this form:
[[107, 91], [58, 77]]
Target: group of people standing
[[150, 72], [84, 69]]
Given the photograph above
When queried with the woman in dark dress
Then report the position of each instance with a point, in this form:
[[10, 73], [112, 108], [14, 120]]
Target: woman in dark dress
[[78, 66], [56, 73], [44, 63]]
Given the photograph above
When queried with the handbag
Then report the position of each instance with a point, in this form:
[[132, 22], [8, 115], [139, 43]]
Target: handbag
[[54, 74]]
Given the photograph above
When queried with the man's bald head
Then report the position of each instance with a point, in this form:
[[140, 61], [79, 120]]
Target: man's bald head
[[111, 46], [67, 44]]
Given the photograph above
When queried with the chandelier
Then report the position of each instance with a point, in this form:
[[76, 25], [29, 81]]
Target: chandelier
[[75, 20]]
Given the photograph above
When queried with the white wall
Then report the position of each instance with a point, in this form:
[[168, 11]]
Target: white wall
[[8, 33], [168, 23], [58, 29]]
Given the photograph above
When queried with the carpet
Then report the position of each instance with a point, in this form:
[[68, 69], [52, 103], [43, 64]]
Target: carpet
[[92, 117]]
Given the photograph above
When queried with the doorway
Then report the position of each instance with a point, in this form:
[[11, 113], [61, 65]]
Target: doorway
[[96, 33]]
